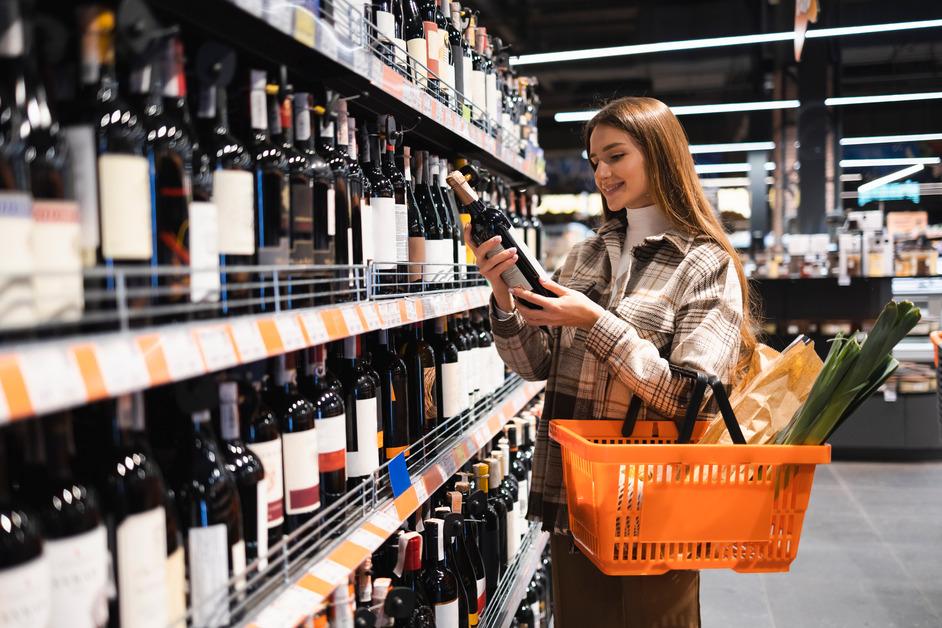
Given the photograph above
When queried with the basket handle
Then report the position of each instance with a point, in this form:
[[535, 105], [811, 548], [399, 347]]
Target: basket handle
[[701, 382]]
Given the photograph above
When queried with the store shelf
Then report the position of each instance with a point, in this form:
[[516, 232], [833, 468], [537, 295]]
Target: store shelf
[[289, 34], [306, 588], [45, 376], [513, 586]]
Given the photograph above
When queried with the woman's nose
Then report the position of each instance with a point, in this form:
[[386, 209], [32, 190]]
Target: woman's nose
[[602, 171]]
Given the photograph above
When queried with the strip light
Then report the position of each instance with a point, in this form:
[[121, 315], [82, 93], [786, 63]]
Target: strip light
[[684, 110], [893, 161], [715, 42], [893, 176], [697, 149], [890, 139], [725, 182], [869, 100], [725, 168]]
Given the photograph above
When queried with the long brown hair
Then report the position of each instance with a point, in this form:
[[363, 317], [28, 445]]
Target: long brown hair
[[674, 186]]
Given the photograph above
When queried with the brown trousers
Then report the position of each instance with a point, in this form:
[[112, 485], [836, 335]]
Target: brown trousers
[[584, 597]]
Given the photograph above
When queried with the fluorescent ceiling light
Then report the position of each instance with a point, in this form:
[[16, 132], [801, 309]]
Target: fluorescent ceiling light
[[697, 149], [893, 161], [868, 100], [725, 182], [714, 42], [723, 168], [893, 176], [856, 176], [684, 110], [890, 139]]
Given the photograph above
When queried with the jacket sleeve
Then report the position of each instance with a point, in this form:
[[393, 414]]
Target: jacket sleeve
[[707, 338], [525, 349]]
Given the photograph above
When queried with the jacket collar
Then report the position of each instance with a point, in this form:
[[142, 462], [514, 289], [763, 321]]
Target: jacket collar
[[612, 233]]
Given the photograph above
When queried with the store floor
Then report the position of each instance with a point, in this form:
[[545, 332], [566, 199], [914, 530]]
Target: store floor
[[870, 555]]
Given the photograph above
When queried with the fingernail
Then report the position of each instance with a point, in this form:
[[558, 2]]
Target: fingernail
[[512, 249]]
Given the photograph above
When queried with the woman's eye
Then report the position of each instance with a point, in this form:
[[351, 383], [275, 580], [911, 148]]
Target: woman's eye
[[616, 156]]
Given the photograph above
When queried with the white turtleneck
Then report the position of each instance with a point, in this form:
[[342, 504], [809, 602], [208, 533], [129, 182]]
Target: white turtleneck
[[643, 222]]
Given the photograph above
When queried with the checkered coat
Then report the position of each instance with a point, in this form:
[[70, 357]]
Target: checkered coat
[[680, 303]]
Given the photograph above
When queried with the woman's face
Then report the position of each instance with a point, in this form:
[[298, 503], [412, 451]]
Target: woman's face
[[619, 168]]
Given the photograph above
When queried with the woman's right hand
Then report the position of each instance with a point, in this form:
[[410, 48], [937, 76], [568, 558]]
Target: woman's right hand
[[493, 267]]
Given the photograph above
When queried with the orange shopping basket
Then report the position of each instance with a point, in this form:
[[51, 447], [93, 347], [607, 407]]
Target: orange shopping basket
[[643, 504]]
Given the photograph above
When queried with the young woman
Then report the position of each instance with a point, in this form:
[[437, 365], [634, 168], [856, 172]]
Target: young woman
[[659, 283]]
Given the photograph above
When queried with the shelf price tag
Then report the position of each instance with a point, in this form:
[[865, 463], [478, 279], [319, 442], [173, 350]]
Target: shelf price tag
[[217, 348], [430, 305], [290, 331], [389, 312], [182, 355], [385, 521], [122, 366], [411, 313], [330, 571], [52, 379], [371, 316], [248, 341], [420, 491], [305, 26], [365, 538], [288, 609], [352, 319], [315, 328]]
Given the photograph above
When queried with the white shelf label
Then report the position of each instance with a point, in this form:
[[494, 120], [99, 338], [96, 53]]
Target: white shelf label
[[330, 571], [430, 305], [122, 366], [385, 521], [248, 341], [315, 327], [389, 312], [182, 355], [352, 319], [292, 606], [411, 313], [371, 316], [52, 378], [4, 407], [420, 491], [367, 539], [290, 331], [218, 352]]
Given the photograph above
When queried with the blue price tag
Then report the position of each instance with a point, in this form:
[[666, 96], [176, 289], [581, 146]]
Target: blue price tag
[[399, 475]]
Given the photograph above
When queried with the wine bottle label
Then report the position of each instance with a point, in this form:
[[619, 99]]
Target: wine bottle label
[[433, 46], [261, 518], [332, 442], [531, 241], [332, 211], [451, 390], [80, 140], [363, 456], [417, 256], [258, 104], [208, 562], [492, 95], [238, 564], [385, 25], [402, 232], [467, 71], [479, 94], [57, 283], [79, 568], [446, 615], [513, 530], [16, 258], [463, 375], [431, 402], [418, 50], [302, 474], [176, 588], [462, 259], [26, 595], [302, 222], [204, 252], [367, 231], [141, 548], [482, 594], [447, 74], [400, 52], [302, 118], [270, 453], [535, 609], [445, 258], [234, 195], [384, 232], [124, 193], [514, 277]]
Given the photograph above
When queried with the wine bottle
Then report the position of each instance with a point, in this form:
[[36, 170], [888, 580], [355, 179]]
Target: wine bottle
[[418, 255], [408, 572], [492, 95], [509, 495], [263, 438], [516, 467], [383, 201], [451, 231], [341, 607], [394, 397], [208, 499], [381, 588], [454, 216], [25, 573], [487, 222], [330, 415], [299, 441], [472, 358], [364, 427], [384, 29], [493, 531], [472, 511], [433, 44], [364, 584], [413, 31], [537, 226], [440, 582], [423, 383], [390, 137], [446, 59], [489, 359], [338, 210], [249, 473], [438, 243], [324, 221], [478, 74], [361, 211], [76, 540], [461, 52], [452, 389], [458, 561]]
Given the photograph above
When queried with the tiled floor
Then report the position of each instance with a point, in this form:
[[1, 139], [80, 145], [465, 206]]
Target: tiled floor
[[870, 555]]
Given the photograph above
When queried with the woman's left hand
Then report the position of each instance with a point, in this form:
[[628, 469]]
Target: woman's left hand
[[568, 309]]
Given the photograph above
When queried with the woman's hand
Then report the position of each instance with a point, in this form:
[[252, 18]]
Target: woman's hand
[[568, 309], [492, 267]]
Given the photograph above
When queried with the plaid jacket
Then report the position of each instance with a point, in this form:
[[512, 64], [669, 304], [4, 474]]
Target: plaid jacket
[[680, 303]]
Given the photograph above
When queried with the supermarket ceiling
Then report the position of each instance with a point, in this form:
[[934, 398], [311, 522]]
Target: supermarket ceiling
[[880, 63]]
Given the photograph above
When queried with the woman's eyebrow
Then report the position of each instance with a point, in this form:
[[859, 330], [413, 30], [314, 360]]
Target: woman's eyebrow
[[607, 147]]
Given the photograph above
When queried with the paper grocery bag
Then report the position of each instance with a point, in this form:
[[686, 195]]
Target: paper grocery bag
[[765, 401]]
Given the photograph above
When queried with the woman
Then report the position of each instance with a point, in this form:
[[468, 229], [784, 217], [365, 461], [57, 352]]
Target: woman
[[659, 283]]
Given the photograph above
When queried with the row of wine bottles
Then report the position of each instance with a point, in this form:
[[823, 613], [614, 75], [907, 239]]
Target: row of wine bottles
[[456, 548], [114, 164], [181, 513]]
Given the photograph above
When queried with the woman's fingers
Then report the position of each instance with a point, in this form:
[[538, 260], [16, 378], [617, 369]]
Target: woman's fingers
[[532, 297], [486, 266], [506, 265], [481, 251], [533, 317]]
